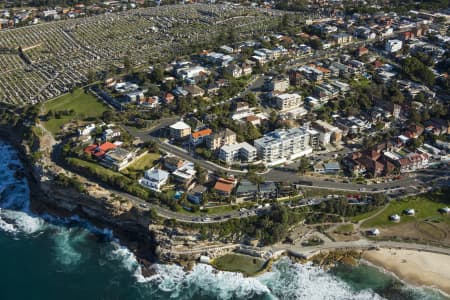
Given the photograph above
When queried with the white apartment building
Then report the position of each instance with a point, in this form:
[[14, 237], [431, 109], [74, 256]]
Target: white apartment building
[[288, 101], [243, 151], [282, 145], [393, 46]]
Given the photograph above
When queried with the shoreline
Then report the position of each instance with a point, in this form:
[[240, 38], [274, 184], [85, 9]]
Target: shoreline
[[41, 202], [418, 268], [421, 269], [405, 267]]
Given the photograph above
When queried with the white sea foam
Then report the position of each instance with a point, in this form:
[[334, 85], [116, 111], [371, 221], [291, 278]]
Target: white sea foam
[[15, 216], [286, 280], [126, 257], [65, 246], [204, 280], [289, 280]]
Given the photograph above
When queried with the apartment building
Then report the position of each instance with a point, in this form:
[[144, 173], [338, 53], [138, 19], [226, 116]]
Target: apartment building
[[234, 152], [219, 139], [327, 132], [282, 145], [287, 101], [179, 130]]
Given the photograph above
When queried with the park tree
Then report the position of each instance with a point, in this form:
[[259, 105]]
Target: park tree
[[303, 165], [127, 63], [157, 75], [201, 174], [250, 98]]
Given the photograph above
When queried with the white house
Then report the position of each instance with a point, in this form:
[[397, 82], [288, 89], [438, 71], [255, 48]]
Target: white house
[[88, 129], [154, 179]]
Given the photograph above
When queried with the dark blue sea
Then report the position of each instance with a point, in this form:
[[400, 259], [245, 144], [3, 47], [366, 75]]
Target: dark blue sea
[[42, 257]]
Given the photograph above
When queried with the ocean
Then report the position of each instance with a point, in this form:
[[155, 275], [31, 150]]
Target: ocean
[[44, 257]]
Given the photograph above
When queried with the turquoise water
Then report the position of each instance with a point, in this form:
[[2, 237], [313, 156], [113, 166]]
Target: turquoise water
[[49, 258]]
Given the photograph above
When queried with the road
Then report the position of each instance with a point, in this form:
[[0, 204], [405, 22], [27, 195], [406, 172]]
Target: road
[[280, 174], [152, 135], [243, 213]]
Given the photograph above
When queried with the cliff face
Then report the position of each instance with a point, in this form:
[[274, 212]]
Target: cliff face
[[130, 224]]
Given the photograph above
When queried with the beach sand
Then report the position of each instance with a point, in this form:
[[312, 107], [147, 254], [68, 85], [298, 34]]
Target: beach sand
[[415, 267]]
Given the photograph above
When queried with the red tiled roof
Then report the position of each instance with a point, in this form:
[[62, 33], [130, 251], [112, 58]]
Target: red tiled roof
[[90, 148], [224, 185], [106, 147], [201, 133], [99, 153]]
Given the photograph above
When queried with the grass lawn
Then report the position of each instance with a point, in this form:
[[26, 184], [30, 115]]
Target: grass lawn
[[96, 168], [245, 264], [84, 105], [344, 228], [424, 206], [360, 217], [143, 163], [220, 209], [210, 210]]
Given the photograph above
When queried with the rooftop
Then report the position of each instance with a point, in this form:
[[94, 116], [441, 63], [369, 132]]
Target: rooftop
[[180, 125]]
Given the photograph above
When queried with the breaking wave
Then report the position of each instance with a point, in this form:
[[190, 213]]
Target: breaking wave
[[17, 219], [15, 215], [287, 280], [71, 247]]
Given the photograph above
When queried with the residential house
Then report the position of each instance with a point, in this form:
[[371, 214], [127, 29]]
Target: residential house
[[362, 51], [195, 195], [101, 150], [268, 190], [110, 134], [87, 130], [393, 46], [118, 159], [254, 120], [151, 102], [154, 179], [332, 167], [225, 186], [341, 38], [246, 191], [234, 70], [171, 163], [194, 91], [185, 174], [246, 69]]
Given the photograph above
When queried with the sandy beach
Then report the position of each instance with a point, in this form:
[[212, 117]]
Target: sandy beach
[[415, 267]]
